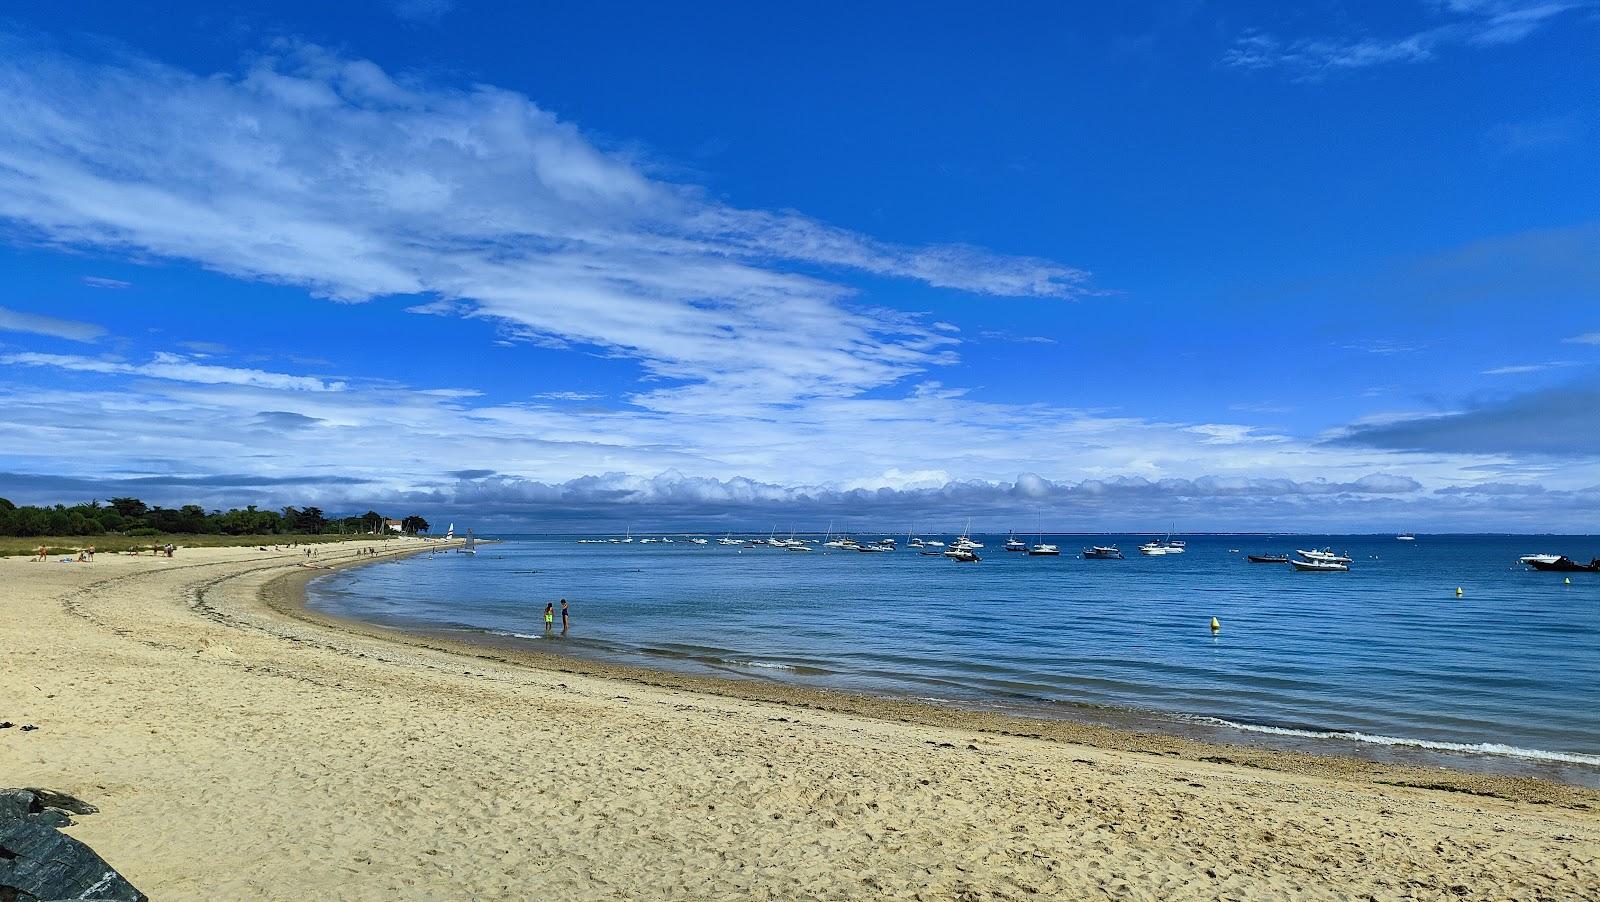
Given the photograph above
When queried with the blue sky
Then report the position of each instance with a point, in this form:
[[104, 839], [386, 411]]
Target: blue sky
[[1223, 264]]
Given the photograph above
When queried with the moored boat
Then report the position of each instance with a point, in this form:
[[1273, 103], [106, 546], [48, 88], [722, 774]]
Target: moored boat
[[1102, 553], [1564, 564], [1015, 544], [1325, 556], [1319, 566], [1267, 558]]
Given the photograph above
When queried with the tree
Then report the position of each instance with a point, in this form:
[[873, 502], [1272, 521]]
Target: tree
[[311, 520], [129, 507], [414, 524]]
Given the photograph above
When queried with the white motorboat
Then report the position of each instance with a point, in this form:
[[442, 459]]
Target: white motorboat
[[1168, 545], [1320, 566], [964, 541], [1015, 544], [1405, 537], [729, 540], [1531, 559], [1325, 556], [1102, 553], [1043, 549], [699, 541], [963, 555]]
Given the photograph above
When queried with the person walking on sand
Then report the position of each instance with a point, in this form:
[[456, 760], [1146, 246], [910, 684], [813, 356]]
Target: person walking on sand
[[564, 621], [549, 618], [43, 554]]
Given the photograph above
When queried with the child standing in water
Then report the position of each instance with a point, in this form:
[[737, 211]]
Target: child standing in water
[[549, 617], [563, 616]]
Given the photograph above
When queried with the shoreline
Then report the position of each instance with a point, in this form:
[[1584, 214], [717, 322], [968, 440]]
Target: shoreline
[[236, 751], [288, 595]]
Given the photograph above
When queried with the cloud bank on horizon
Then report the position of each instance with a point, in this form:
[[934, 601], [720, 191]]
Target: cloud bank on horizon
[[756, 362]]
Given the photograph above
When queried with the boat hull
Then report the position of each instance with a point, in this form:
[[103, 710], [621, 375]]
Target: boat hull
[[1566, 565], [1319, 567]]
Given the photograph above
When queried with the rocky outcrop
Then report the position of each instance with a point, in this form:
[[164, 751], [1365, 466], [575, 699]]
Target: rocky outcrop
[[39, 862]]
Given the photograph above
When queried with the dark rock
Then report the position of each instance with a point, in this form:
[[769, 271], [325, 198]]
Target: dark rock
[[49, 798], [52, 817], [37, 862], [16, 804]]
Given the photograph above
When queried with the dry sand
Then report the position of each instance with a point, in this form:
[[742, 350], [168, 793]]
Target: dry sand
[[239, 749]]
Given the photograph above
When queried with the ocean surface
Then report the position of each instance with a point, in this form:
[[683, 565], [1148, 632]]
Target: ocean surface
[[1384, 661]]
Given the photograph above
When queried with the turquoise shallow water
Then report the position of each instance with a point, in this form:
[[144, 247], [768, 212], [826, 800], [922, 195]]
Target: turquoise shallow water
[[1383, 661]]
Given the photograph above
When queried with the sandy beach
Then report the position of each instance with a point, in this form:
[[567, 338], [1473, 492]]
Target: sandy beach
[[240, 748]]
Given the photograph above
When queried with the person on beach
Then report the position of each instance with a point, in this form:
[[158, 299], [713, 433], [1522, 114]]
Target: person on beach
[[564, 621], [90, 552], [549, 617], [43, 554]]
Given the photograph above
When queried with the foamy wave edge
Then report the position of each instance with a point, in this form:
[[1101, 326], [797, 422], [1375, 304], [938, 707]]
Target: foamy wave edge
[[1477, 748]]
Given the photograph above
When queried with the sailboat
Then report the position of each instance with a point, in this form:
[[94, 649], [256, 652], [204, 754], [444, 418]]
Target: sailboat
[[450, 533], [471, 547]]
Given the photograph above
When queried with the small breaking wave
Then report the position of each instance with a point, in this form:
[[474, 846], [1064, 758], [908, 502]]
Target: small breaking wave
[[1470, 748]]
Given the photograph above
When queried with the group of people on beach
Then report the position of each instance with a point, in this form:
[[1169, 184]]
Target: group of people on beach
[[550, 617], [85, 555]]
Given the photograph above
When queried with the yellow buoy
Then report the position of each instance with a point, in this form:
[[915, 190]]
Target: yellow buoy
[[1215, 625], [1458, 591]]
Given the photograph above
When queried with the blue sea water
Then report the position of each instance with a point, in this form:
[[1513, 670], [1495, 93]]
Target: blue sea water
[[1384, 660]]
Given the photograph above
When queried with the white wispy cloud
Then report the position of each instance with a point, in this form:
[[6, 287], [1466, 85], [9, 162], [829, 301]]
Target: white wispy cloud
[[567, 396], [175, 368], [55, 327], [1588, 338], [1521, 368], [1470, 24], [103, 282], [313, 169]]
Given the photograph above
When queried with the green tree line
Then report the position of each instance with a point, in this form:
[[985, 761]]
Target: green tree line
[[130, 516]]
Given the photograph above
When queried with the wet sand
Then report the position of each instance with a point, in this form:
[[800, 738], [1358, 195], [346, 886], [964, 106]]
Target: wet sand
[[240, 746]]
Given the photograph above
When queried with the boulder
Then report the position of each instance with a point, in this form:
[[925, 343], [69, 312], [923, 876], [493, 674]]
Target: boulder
[[39, 862]]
